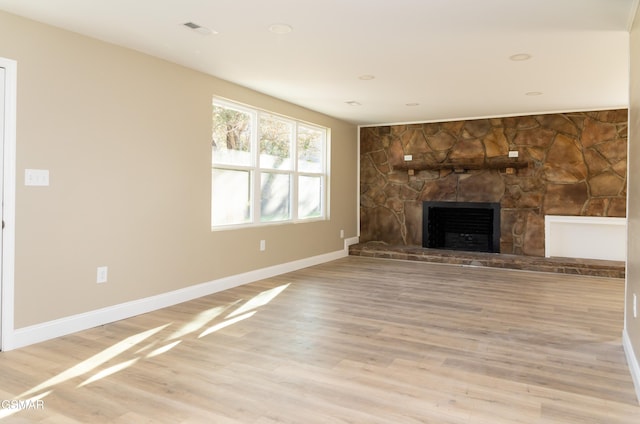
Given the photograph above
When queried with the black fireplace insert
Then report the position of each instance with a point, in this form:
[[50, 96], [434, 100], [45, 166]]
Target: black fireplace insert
[[469, 226]]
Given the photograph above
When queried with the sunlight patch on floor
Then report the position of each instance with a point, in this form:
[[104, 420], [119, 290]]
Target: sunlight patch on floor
[[259, 300], [224, 324], [109, 371], [163, 349], [96, 360], [202, 319]]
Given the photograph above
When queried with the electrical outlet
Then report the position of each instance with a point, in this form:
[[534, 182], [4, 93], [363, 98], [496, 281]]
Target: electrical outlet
[[263, 245], [341, 233], [101, 276]]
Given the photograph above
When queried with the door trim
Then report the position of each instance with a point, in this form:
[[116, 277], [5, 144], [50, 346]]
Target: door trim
[[9, 204]]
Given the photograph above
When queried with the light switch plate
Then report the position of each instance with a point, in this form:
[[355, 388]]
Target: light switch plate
[[36, 177]]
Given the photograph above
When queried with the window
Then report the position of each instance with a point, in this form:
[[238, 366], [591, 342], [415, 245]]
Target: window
[[266, 168]]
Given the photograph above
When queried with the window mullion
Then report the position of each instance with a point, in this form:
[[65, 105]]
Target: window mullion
[[294, 174], [256, 177]]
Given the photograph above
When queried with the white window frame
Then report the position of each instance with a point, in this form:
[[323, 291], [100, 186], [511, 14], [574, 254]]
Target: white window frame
[[255, 170]]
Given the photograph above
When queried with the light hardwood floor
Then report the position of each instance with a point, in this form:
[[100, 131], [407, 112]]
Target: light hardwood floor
[[356, 340]]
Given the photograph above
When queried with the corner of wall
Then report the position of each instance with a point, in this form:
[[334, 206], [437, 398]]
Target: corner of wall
[[349, 242], [634, 366]]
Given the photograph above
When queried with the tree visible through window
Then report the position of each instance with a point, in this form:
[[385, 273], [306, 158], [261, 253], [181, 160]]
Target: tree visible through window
[[265, 168]]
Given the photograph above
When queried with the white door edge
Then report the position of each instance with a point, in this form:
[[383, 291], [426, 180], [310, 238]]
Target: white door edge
[[8, 200]]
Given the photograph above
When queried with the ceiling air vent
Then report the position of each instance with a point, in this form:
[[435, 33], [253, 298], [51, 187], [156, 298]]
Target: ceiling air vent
[[199, 28]]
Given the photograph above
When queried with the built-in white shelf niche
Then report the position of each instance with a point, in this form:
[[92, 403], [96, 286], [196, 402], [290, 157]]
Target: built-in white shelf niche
[[587, 237]]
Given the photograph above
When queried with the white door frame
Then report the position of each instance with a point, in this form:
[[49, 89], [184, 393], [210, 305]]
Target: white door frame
[[7, 247]]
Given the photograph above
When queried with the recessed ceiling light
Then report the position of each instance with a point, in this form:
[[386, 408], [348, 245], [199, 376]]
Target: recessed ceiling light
[[520, 57], [412, 104], [280, 29], [533, 93], [366, 77], [353, 103], [199, 28]]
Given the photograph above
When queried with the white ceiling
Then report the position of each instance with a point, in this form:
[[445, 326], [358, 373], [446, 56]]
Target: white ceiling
[[449, 56]]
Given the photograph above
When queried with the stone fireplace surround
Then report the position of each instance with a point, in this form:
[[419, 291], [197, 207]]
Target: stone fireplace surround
[[571, 164]]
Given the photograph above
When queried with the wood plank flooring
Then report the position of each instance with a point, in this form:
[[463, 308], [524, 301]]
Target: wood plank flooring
[[357, 340]]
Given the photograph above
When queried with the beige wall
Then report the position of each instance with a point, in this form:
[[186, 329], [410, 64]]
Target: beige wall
[[633, 210], [126, 138]]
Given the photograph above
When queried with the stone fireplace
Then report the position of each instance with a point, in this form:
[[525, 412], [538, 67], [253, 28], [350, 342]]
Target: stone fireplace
[[467, 226], [572, 164]]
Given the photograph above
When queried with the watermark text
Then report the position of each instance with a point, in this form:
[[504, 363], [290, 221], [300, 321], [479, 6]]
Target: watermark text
[[18, 405]]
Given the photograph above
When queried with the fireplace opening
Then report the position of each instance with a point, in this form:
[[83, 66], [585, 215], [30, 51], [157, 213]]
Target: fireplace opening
[[469, 226]]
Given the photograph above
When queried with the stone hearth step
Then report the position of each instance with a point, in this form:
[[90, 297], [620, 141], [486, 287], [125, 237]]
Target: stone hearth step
[[593, 267]]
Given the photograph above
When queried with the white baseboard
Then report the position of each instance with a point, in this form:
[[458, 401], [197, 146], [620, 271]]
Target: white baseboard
[[632, 360], [350, 241], [48, 330]]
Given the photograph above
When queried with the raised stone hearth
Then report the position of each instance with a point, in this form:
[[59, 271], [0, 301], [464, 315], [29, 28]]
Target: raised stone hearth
[[593, 267], [572, 164]]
